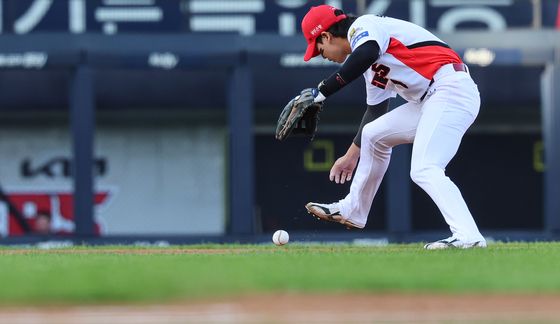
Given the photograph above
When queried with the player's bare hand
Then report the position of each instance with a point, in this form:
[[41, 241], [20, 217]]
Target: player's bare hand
[[342, 169]]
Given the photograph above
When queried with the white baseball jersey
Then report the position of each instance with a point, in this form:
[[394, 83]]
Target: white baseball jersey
[[408, 59]]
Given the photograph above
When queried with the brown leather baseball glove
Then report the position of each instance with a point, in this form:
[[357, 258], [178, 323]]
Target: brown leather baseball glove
[[300, 116]]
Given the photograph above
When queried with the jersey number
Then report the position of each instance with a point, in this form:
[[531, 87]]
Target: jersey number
[[380, 77]]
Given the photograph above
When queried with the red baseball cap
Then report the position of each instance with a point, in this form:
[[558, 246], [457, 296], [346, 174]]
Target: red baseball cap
[[317, 20]]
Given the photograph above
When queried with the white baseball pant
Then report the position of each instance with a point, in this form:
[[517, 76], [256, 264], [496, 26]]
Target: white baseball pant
[[435, 127]]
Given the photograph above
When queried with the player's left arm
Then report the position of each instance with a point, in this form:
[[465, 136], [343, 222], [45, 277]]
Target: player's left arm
[[361, 59]]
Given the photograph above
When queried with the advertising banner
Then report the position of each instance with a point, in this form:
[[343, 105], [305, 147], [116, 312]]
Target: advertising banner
[[248, 17], [149, 180]]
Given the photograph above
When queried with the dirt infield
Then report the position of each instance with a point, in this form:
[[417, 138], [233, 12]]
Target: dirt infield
[[298, 308]]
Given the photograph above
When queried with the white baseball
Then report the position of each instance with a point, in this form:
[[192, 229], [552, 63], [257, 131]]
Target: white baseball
[[280, 237]]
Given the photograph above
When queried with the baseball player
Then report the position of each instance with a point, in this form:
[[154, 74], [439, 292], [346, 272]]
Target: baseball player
[[396, 57]]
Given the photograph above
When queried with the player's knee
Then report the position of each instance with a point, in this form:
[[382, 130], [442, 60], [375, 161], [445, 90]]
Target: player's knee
[[372, 133], [369, 133], [422, 174], [416, 175]]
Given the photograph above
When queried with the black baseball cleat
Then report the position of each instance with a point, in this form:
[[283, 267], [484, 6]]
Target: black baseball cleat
[[330, 213], [454, 243]]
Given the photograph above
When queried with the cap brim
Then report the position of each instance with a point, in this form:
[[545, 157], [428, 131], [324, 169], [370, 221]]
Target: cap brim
[[311, 50]]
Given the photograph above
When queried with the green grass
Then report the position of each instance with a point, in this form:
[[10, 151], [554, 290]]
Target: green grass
[[92, 275]]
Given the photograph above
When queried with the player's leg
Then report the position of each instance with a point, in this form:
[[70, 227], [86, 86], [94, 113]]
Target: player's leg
[[378, 138], [446, 116]]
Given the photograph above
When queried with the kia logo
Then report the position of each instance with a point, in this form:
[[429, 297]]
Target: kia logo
[[57, 167]]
